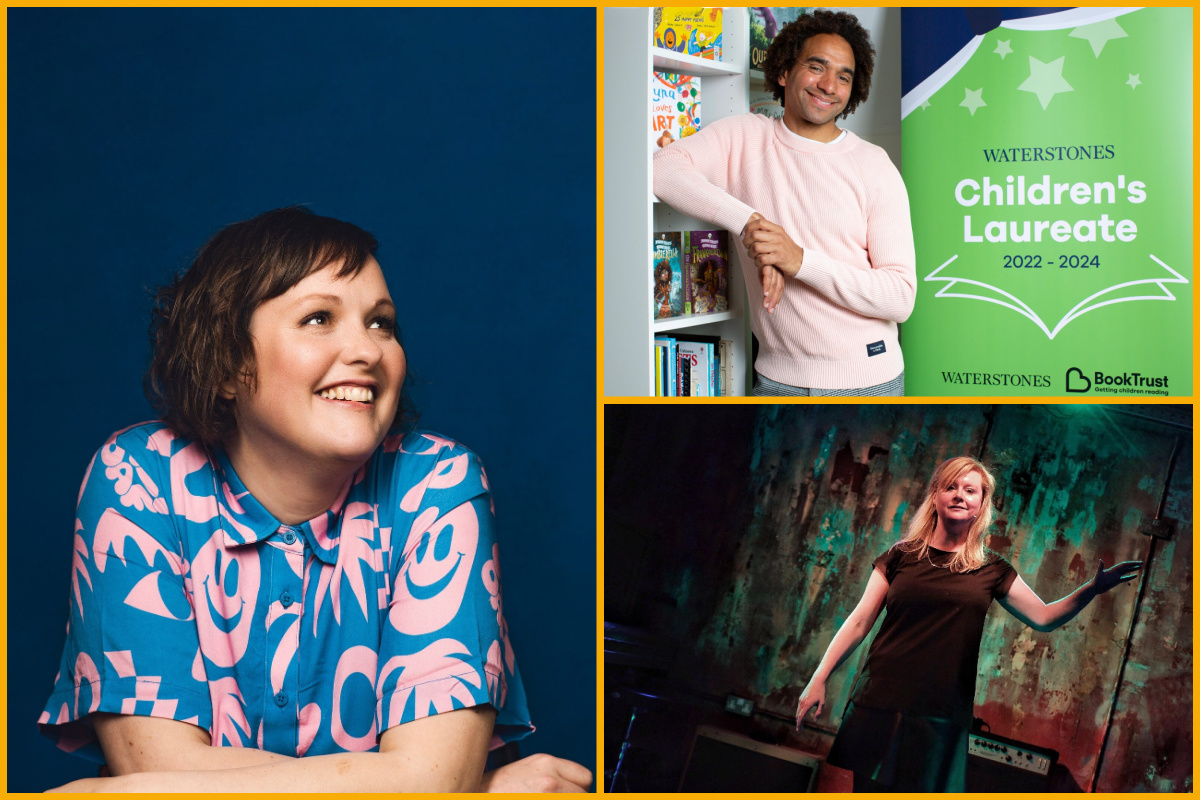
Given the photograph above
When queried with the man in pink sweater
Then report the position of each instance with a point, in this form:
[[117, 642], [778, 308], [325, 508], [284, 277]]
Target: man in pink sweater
[[822, 216]]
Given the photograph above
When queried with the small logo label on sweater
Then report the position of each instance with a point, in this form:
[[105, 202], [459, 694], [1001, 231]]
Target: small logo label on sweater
[[875, 348]]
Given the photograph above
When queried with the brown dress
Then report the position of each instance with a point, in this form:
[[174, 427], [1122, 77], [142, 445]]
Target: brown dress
[[911, 709]]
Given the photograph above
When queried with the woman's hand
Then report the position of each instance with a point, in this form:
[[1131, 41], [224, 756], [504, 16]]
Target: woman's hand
[[1115, 575], [813, 695], [538, 773]]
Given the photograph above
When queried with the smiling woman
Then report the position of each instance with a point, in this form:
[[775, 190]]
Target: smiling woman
[[283, 585]]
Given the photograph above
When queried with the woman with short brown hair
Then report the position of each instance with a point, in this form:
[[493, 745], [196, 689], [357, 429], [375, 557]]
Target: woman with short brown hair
[[281, 585]]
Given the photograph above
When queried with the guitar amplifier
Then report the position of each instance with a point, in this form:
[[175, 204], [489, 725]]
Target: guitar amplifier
[[723, 761], [997, 764]]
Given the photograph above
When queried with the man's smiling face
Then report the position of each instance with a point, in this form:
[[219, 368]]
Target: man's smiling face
[[817, 87]]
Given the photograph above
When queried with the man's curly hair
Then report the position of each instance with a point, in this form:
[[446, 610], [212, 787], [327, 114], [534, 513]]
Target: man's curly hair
[[786, 48]]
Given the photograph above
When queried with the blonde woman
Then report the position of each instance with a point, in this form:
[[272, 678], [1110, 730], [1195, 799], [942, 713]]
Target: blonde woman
[[906, 725]]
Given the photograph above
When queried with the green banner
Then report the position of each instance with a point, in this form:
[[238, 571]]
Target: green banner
[[1049, 169]]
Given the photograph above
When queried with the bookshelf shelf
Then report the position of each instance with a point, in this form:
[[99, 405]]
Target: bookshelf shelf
[[692, 320], [683, 64], [632, 213]]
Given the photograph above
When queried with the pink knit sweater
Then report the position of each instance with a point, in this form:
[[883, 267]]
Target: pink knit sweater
[[846, 205]]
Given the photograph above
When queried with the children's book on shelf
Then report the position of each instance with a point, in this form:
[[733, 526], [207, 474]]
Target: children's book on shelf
[[762, 99], [659, 362], [765, 24], [685, 374], [692, 365], [725, 360], [668, 275], [698, 353], [693, 31], [665, 348], [674, 107], [695, 356], [706, 271]]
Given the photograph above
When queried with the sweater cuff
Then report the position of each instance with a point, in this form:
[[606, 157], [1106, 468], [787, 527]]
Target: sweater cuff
[[815, 271], [732, 215]]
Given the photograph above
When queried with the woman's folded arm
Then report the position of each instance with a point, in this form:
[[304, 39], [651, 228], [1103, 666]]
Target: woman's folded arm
[[441, 753]]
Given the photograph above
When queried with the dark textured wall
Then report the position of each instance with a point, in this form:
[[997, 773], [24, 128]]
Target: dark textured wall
[[745, 536]]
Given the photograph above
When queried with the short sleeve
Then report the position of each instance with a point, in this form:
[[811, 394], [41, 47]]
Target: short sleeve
[[1006, 576], [445, 642], [132, 645], [889, 562]]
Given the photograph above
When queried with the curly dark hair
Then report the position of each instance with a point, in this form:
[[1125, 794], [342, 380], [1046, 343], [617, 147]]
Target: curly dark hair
[[786, 48], [200, 325]]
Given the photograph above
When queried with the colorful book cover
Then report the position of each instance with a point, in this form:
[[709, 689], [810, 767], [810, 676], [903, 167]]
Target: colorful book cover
[[668, 275], [698, 351], [706, 265], [762, 100], [693, 31], [695, 356], [674, 107], [765, 24]]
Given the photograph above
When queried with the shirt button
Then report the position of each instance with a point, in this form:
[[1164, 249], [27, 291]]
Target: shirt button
[[289, 537], [286, 599], [281, 699]]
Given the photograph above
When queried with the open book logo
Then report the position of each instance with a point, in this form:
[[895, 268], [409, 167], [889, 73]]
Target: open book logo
[[1120, 293]]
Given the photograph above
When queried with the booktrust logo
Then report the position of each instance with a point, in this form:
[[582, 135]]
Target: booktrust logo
[[1124, 383]]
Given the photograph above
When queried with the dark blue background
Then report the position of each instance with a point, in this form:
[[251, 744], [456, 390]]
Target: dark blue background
[[464, 139]]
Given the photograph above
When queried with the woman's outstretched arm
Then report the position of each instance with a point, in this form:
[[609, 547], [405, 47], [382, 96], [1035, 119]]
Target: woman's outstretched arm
[[1024, 604], [849, 636], [448, 754]]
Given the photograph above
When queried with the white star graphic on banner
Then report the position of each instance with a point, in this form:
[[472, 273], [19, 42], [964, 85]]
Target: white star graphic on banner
[[1002, 48], [1134, 81], [973, 100], [1098, 34], [924, 105], [1045, 80]]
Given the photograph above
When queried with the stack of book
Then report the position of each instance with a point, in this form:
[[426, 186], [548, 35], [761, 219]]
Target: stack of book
[[691, 272], [692, 366]]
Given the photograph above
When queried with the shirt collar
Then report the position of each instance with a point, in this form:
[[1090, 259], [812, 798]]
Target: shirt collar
[[795, 141], [244, 520]]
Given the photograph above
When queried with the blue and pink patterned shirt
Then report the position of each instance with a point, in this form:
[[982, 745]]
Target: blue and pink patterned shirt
[[190, 601]]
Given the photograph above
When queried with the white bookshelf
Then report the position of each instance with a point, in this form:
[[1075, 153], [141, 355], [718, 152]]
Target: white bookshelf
[[631, 211]]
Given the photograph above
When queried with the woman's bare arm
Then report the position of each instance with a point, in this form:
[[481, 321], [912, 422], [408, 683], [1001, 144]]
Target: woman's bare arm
[[441, 753], [845, 641], [140, 750], [1024, 604], [133, 744]]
